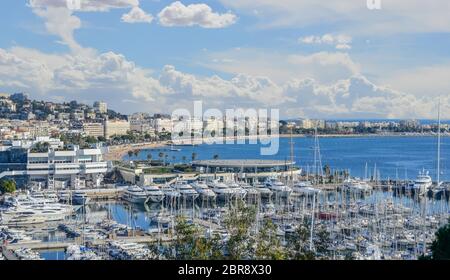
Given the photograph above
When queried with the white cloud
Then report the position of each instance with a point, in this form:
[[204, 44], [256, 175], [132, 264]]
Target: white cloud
[[112, 76], [428, 80], [59, 21], [86, 5], [326, 67], [400, 16], [177, 14], [137, 15], [340, 41]]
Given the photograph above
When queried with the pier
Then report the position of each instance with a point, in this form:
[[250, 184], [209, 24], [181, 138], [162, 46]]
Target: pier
[[62, 245]]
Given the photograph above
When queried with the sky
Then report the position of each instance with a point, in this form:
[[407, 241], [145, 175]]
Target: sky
[[307, 58]]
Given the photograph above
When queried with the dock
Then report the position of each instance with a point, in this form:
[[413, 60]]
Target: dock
[[9, 255]]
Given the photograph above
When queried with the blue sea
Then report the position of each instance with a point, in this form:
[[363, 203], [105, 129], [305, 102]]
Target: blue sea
[[394, 157]]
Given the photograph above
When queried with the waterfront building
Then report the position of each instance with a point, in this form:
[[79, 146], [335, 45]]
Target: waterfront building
[[163, 125], [54, 168], [247, 170], [116, 127], [94, 129]]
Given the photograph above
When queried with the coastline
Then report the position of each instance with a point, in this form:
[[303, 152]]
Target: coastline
[[117, 152]]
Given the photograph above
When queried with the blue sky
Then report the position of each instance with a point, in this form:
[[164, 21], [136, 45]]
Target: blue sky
[[307, 58]]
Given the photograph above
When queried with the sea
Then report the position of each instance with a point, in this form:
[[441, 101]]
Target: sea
[[391, 156]]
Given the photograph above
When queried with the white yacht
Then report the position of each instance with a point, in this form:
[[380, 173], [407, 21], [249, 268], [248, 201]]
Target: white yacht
[[237, 190], [47, 196], [304, 188], [280, 189], [263, 191], [203, 190], [135, 194], [422, 183], [187, 191], [250, 190], [356, 185], [80, 197], [222, 190], [22, 214], [170, 193], [154, 194]]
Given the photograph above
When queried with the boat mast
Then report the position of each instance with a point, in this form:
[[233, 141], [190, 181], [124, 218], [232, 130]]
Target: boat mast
[[439, 145], [292, 157]]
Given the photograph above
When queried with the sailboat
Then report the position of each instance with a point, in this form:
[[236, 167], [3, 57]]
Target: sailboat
[[439, 186]]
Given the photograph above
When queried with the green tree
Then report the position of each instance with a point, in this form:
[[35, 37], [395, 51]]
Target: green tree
[[238, 223], [7, 186], [216, 157], [440, 248], [130, 153], [268, 245], [191, 244], [194, 156], [298, 244]]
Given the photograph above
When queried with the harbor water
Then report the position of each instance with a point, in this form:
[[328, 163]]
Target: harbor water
[[393, 157]]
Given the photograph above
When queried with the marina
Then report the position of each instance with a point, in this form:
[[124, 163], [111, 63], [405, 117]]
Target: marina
[[376, 224]]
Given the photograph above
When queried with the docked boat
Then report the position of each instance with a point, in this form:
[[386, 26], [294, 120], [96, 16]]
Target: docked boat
[[170, 193], [80, 197], [304, 188], [79, 253], [222, 190], [280, 189], [154, 194], [251, 191], [355, 185], [135, 194], [34, 214], [47, 196], [238, 192], [422, 184], [187, 191], [263, 191], [203, 190]]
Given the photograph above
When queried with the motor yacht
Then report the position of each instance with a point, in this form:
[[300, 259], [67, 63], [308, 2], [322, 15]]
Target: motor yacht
[[280, 189], [304, 188], [187, 191], [222, 190], [238, 192], [264, 192], [154, 194], [170, 193], [80, 197], [135, 194], [356, 185], [422, 183], [203, 190]]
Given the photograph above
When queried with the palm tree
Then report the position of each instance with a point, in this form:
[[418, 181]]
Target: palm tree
[[216, 157], [130, 153], [149, 158], [194, 156]]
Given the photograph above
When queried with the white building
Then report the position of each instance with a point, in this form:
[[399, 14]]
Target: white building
[[74, 168], [163, 125], [116, 127], [101, 107]]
